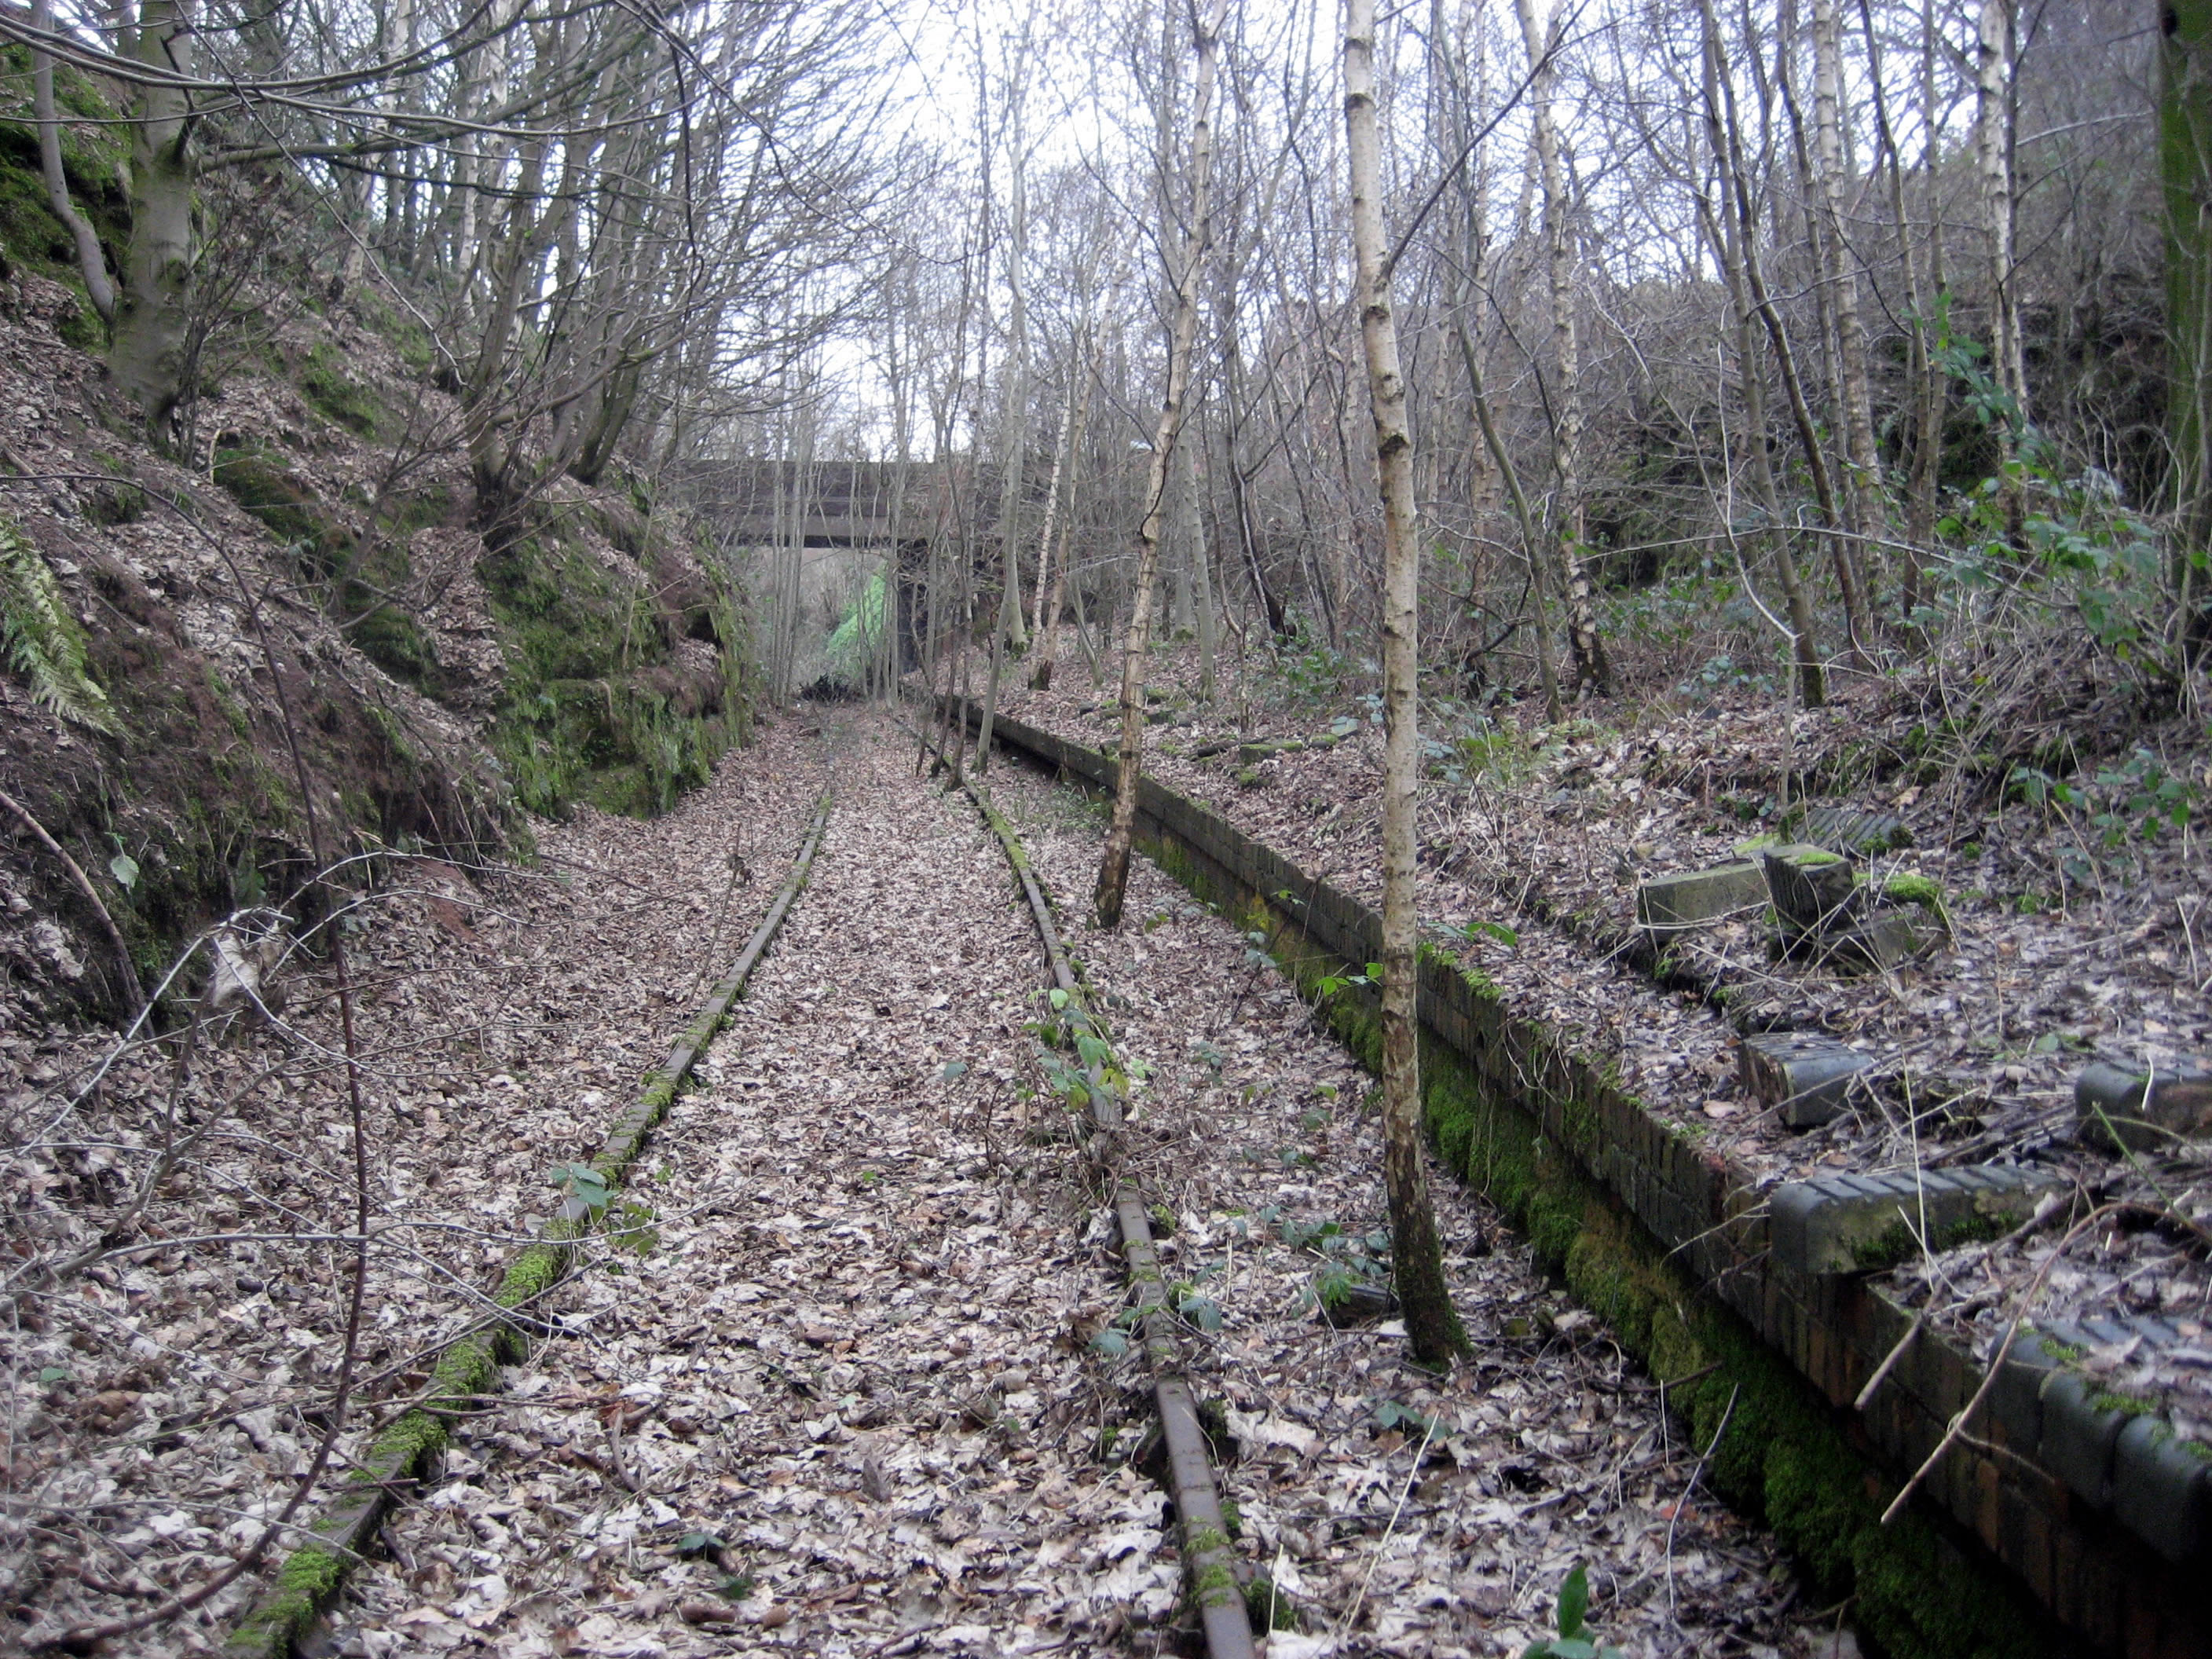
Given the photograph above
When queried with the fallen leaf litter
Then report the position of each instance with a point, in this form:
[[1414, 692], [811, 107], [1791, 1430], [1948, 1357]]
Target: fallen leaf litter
[[157, 1400], [854, 1398]]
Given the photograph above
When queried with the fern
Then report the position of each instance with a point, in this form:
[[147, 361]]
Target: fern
[[853, 647], [44, 642]]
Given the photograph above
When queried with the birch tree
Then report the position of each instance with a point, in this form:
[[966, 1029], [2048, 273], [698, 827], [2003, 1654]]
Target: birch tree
[[1541, 36], [1432, 1325], [1183, 338]]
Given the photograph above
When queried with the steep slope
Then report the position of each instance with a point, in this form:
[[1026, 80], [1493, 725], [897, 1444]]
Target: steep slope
[[304, 574]]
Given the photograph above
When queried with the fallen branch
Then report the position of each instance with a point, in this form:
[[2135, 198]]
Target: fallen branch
[[128, 969], [1958, 1426]]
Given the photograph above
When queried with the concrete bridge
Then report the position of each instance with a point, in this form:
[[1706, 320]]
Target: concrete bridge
[[841, 503]]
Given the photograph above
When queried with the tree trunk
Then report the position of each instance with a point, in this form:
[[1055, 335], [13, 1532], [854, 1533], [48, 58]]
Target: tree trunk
[[1078, 393], [152, 314], [2185, 167], [1996, 55], [1113, 865], [1202, 581], [1045, 567], [1728, 134], [1532, 538], [1921, 372], [1592, 671], [91, 263], [1728, 236], [1432, 1325], [1844, 518], [1864, 484]]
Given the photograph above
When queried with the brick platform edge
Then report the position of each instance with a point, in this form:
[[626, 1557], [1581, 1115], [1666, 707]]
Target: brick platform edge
[[1667, 1241]]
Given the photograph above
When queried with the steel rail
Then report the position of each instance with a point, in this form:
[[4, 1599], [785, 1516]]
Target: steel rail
[[467, 1369]]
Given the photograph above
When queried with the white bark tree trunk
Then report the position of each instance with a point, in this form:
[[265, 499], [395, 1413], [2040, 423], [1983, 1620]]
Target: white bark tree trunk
[[1432, 1326], [1114, 865], [1592, 671]]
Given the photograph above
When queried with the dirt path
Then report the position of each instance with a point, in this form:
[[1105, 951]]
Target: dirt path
[[862, 1393]]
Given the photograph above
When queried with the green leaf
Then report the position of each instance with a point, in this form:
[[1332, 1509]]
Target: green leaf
[[698, 1543], [1058, 997], [52, 1375], [1111, 1343], [583, 1183], [1574, 1602], [1201, 1310], [953, 1068], [125, 868]]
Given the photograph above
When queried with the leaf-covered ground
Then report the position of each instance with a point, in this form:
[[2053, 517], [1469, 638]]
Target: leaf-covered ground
[[860, 1393], [160, 1396]]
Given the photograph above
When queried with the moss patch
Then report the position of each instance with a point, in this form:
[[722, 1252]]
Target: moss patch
[[94, 157], [596, 710], [307, 1582], [335, 395]]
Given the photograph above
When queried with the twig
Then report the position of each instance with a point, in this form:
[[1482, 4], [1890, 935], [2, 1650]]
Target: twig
[[615, 1455], [128, 969], [1958, 1423], [1374, 1560], [1889, 1363], [1675, 1519]]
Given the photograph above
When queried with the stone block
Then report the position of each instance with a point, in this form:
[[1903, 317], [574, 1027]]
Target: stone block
[[2015, 1404], [1803, 1074], [1812, 888], [2147, 1108], [2079, 1439], [1851, 1224], [1880, 942], [1854, 830], [2161, 1489], [1267, 749], [1673, 904]]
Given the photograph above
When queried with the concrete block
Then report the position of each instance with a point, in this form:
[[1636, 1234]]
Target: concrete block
[[2078, 1438], [2015, 1404], [1692, 898], [1854, 830], [1804, 1074], [1878, 942], [1812, 888], [1859, 1223], [2147, 1108], [2161, 1489]]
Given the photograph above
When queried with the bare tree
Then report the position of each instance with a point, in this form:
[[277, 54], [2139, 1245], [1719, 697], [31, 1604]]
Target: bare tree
[[1432, 1325], [1189, 268], [1592, 671]]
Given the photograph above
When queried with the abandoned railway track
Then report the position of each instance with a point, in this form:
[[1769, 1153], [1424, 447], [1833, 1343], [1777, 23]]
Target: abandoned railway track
[[964, 1298]]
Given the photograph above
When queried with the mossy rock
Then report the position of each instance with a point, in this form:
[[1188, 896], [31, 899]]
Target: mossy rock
[[595, 710]]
